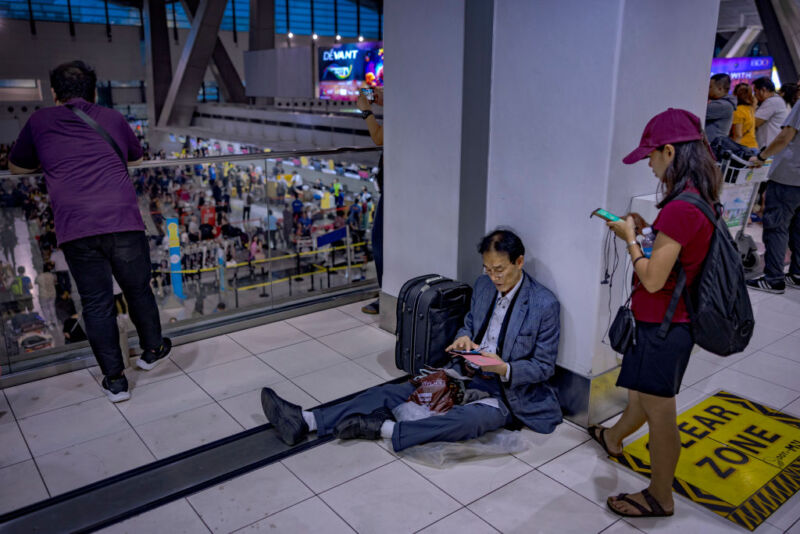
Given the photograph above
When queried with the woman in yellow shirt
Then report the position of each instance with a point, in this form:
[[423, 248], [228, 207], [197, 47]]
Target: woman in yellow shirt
[[744, 120]]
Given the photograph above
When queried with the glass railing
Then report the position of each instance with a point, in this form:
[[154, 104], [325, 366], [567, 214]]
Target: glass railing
[[228, 234]]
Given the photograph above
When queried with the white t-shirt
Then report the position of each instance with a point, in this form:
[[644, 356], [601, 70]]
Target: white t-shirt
[[297, 180], [773, 111]]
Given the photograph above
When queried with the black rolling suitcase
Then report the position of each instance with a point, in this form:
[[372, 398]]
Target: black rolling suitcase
[[430, 310]]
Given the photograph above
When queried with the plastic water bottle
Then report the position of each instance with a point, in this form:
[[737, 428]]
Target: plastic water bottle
[[648, 238]]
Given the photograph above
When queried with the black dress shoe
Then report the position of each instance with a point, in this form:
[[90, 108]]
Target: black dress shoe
[[287, 418], [360, 426]]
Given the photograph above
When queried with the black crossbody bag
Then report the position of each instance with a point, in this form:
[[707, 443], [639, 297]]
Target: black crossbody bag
[[99, 129], [622, 333]]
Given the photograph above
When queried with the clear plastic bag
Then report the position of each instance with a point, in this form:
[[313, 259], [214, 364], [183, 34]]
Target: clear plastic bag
[[442, 454]]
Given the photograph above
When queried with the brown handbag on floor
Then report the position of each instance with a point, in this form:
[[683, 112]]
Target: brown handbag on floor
[[436, 390]]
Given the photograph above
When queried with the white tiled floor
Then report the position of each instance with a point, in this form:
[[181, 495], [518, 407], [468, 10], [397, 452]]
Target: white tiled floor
[[61, 433]]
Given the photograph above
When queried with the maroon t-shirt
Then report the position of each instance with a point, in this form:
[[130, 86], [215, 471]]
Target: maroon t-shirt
[[687, 225], [89, 187]]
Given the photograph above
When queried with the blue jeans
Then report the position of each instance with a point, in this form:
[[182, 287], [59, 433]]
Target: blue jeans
[[781, 228], [460, 423], [92, 260]]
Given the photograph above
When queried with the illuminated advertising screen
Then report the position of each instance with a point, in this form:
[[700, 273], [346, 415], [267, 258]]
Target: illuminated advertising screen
[[345, 68], [742, 69]]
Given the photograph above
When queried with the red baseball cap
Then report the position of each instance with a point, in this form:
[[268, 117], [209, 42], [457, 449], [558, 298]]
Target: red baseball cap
[[668, 127]]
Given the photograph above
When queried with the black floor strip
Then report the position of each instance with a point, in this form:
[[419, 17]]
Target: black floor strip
[[131, 493]]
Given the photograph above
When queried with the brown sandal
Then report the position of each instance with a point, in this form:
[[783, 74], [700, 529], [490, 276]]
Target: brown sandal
[[656, 510], [597, 433]]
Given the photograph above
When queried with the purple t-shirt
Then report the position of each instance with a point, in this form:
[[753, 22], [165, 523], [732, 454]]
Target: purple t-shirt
[[90, 190]]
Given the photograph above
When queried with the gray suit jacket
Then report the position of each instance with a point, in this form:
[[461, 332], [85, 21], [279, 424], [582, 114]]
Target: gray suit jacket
[[530, 346]]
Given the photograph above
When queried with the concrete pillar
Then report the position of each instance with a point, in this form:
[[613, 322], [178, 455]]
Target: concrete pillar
[[572, 85], [262, 34]]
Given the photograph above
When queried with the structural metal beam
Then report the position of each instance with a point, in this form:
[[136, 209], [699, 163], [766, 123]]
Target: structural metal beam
[[197, 52], [228, 79]]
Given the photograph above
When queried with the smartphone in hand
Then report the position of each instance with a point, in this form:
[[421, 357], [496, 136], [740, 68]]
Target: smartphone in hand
[[605, 215], [465, 352], [368, 92]]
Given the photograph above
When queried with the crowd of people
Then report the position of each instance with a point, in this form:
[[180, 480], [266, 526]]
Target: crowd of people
[[513, 320]]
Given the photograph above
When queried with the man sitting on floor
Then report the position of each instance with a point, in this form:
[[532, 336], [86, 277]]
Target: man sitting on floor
[[512, 319]]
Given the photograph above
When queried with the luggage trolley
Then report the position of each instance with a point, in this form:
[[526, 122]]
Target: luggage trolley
[[738, 196]]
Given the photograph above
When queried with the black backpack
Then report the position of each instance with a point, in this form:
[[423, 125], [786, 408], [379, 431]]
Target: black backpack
[[719, 307]]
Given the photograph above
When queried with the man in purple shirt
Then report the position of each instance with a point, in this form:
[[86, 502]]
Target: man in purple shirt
[[97, 219]]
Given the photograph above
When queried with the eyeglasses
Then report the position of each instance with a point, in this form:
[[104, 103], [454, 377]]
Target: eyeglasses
[[496, 272]]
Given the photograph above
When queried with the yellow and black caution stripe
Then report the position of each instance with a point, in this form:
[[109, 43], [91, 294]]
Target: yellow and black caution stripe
[[713, 503], [759, 408], [768, 499]]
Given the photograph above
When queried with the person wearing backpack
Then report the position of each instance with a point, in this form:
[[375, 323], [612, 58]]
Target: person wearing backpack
[[21, 289], [652, 368]]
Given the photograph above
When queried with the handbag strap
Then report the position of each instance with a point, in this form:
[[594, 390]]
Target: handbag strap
[[99, 129]]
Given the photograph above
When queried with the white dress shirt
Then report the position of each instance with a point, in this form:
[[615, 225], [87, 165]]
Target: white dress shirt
[[492, 335]]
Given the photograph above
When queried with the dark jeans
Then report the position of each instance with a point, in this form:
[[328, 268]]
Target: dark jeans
[[92, 260], [460, 423], [377, 241], [781, 228]]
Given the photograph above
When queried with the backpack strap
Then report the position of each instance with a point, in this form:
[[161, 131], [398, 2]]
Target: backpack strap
[[99, 129], [698, 202], [680, 286]]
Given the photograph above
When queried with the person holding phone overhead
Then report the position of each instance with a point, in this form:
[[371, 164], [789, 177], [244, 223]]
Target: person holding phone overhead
[[364, 103], [652, 368]]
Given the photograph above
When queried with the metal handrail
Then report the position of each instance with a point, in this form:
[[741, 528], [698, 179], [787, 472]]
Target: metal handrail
[[282, 154]]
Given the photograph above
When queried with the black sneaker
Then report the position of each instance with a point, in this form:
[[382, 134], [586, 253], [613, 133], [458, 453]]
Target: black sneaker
[[116, 389], [287, 418], [761, 284], [360, 426], [792, 281], [150, 358], [373, 308]]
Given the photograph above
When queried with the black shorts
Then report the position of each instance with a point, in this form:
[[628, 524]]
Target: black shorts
[[655, 366]]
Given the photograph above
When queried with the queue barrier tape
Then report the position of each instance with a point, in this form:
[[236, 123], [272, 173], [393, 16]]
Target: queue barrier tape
[[281, 280], [265, 260]]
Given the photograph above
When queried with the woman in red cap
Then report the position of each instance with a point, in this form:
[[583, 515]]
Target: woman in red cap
[[653, 368]]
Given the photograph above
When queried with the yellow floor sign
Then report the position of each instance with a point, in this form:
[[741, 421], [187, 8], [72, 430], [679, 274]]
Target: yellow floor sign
[[740, 459]]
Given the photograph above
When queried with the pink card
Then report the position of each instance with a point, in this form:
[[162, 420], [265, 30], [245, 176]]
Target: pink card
[[481, 360]]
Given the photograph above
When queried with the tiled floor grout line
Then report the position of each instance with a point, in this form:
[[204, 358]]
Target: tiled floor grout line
[[618, 521], [394, 459], [146, 446], [574, 491], [455, 512], [100, 389], [555, 457], [217, 402], [779, 355], [316, 495], [210, 530], [27, 445], [758, 377]]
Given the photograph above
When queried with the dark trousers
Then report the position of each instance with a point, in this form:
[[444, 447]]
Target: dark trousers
[[92, 260], [458, 424], [377, 241], [246, 213], [781, 228]]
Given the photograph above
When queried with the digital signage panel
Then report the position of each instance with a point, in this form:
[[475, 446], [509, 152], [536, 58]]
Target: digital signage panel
[[742, 69], [345, 68]]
